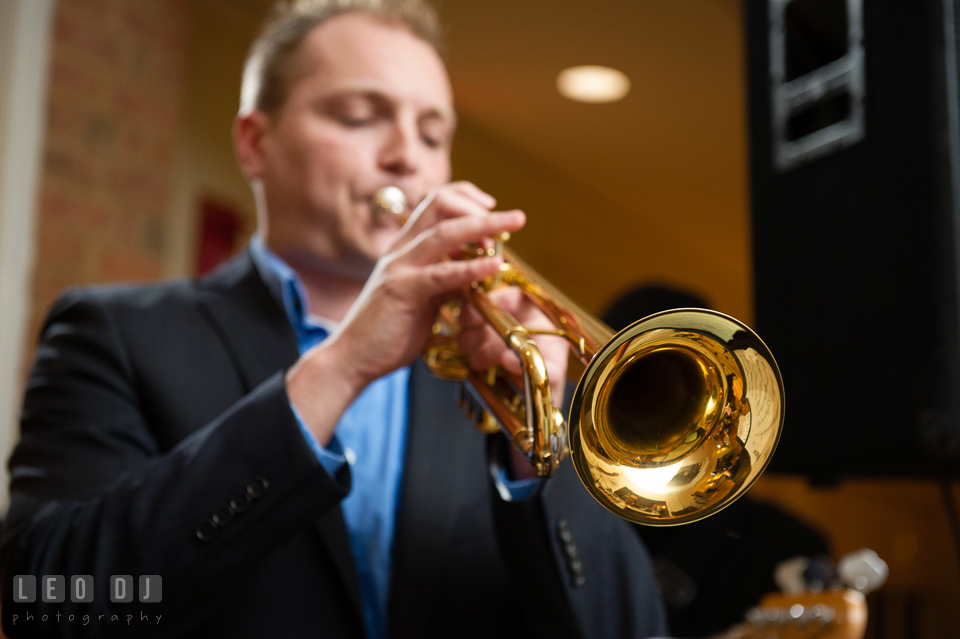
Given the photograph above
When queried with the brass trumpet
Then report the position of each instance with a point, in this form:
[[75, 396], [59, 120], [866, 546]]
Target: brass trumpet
[[674, 418]]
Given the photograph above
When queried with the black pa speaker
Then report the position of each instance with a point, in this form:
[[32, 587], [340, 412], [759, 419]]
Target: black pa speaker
[[854, 161]]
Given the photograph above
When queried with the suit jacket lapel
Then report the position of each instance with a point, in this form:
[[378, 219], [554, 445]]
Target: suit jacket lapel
[[434, 460], [251, 323], [257, 334]]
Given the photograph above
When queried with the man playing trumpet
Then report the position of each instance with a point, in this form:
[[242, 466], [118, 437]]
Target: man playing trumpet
[[266, 440]]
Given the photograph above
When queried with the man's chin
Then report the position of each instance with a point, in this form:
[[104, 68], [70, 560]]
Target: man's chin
[[355, 265]]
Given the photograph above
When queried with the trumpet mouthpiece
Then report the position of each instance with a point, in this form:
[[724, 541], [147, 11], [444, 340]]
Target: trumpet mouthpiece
[[390, 202]]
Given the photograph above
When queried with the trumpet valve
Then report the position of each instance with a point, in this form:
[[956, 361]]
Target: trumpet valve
[[482, 420]]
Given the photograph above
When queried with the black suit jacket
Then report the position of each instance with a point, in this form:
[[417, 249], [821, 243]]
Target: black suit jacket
[[152, 411]]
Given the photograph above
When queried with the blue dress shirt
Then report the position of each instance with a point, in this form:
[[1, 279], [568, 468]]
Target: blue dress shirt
[[371, 437]]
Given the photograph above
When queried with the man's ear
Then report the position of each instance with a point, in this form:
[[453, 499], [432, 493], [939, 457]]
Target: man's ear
[[248, 132]]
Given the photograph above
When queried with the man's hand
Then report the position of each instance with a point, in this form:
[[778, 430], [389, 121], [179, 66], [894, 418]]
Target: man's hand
[[486, 348], [387, 327]]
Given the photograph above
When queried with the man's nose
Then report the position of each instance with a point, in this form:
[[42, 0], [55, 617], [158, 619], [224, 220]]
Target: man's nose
[[400, 152]]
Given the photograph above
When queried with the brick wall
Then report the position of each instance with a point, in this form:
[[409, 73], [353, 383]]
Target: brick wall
[[116, 79]]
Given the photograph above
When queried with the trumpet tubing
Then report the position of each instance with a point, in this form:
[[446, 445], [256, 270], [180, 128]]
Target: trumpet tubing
[[673, 419]]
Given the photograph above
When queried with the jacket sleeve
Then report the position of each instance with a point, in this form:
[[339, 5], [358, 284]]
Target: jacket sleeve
[[91, 493]]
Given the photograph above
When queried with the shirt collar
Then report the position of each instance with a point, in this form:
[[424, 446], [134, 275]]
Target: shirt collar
[[286, 287]]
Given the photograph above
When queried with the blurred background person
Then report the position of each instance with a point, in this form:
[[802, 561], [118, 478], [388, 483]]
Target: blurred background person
[[714, 569]]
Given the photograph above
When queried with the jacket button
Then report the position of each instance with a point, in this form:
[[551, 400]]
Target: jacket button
[[563, 532], [206, 530], [579, 578], [257, 486], [240, 502], [222, 517], [574, 563]]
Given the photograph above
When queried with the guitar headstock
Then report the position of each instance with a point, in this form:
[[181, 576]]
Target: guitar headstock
[[829, 614]]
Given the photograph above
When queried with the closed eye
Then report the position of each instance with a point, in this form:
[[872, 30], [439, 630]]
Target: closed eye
[[354, 122], [435, 131], [432, 142]]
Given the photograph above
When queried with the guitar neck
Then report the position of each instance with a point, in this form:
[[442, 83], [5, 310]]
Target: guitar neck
[[830, 614]]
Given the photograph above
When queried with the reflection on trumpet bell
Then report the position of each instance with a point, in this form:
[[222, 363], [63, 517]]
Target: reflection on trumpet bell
[[659, 400], [676, 417]]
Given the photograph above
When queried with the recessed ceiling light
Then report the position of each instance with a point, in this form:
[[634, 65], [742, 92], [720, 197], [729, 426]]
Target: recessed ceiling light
[[592, 83]]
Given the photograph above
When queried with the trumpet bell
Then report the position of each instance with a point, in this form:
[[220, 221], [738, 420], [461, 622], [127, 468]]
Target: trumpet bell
[[676, 417]]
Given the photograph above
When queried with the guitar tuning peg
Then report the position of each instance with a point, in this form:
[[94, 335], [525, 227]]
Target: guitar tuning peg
[[788, 575], [829, 614], [803, 574], [863, 570], [820, 574], [754, 616]]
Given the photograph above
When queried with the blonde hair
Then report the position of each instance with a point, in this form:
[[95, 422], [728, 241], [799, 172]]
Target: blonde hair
[[271, 67]]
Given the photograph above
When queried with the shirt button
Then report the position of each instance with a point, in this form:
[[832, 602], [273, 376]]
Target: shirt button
[[351, 455]]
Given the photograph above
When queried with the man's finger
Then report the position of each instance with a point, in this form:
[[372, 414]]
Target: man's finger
[[441, 278], [472, 338], [512, 299], [450, 235], [473, 191], [494, 352], [470, 318], [439, 205]]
